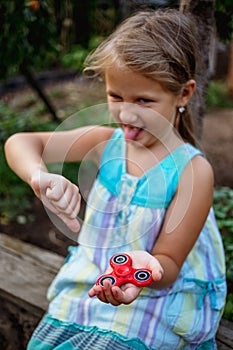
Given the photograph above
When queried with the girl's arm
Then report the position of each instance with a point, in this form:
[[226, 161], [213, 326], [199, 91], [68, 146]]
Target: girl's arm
[[28, 153], [183, 223], [184, 219]]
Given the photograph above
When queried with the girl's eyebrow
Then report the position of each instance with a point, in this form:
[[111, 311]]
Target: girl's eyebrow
[[111, 92], [140, 94]]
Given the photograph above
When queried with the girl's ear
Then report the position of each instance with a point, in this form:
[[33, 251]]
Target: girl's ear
[[187, 93]]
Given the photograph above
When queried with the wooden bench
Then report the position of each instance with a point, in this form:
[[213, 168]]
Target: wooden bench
[[25, 274]]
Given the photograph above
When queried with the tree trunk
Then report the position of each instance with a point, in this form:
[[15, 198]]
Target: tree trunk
[[230, 71], [203, 13], [58, 14], [82, 11], [35, 85]]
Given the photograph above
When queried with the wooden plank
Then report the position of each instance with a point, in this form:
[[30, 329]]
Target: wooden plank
[[225, 335], [42, 256], [26, 272]]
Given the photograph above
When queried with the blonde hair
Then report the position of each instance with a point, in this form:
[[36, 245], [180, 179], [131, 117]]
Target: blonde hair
[[160, 45]]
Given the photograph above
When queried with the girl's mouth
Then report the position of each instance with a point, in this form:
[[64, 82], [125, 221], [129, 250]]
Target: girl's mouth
[[131, 132]]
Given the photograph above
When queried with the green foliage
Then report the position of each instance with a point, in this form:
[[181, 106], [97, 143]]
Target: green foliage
[[224, 19], [15, 195], [228, 313], [27, 35], [223, 207], [217, 96], [12, 122], [76, 56]]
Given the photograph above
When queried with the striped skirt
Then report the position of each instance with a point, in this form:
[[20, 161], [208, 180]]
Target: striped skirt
[[53, 334]]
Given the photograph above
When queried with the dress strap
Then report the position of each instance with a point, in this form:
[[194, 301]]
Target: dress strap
[[113, 158], [157, 186]]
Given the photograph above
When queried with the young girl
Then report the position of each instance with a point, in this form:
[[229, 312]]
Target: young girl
[[151, 199]]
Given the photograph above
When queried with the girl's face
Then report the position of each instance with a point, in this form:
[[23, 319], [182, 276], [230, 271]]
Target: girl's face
[[140, 106]]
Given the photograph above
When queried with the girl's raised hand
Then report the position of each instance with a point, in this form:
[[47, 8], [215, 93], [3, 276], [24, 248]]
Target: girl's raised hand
[[128, 292], [59, 195]]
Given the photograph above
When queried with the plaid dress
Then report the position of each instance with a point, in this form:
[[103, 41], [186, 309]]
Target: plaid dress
[[125, 213]]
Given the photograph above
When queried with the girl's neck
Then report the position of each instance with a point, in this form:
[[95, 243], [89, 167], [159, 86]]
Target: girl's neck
[[140, 159]]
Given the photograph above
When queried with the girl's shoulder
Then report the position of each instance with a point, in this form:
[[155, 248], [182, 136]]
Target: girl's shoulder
[[187, 167], [198, 161], [202, 169], [198, 174]]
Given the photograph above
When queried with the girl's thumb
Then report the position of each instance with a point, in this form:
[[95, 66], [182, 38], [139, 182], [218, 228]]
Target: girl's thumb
[[157, 270]]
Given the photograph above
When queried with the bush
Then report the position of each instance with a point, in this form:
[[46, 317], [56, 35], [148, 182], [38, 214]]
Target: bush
[[223, 206], [75, 58], [217, 96], [15, 195], [28, 36]]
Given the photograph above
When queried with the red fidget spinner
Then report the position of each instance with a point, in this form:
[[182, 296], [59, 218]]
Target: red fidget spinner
[[123, 272]]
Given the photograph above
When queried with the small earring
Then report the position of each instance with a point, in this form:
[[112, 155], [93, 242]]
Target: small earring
[[181, 109]]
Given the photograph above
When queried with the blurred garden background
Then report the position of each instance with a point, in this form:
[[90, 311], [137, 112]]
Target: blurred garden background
[[43, 44]]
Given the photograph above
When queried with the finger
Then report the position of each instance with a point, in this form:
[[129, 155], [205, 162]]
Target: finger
[[156, 268], [108, 293], [101, 296], [74, 205], [72, 224], [92, 292], [118, 295], [60, 193], [126, 294], [68, 206], [67, 203], [98, 291], [56, 189]]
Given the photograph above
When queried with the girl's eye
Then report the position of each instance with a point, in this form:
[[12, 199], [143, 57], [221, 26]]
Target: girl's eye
[[144, 100], [115, 98]]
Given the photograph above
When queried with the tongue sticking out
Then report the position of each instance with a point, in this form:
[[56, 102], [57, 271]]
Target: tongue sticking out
[[131, 132]]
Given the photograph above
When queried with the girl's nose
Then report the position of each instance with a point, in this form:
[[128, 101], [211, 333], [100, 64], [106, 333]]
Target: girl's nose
[[128, 114]]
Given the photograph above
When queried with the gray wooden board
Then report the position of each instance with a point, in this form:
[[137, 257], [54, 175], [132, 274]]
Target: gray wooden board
[[26, 272]]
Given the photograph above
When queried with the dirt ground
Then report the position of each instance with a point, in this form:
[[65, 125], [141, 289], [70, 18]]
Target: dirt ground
[[217, 143]]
